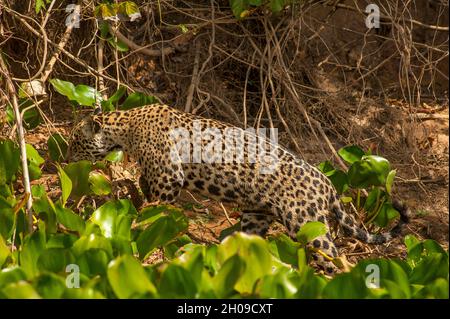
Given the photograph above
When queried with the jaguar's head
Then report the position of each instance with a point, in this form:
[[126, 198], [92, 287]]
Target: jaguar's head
[[90, 140]]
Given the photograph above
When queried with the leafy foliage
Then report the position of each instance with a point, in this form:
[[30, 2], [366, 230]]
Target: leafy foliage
[[81, 253], [370, 172]]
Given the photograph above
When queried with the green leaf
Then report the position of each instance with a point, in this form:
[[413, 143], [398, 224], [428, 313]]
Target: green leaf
[[285, 249], [310, 231], [137, 99], [105, 10], [114, 156], [114, 218], [255, 251], [326, 168], [100, 185], [390, 181], [371, 200], [386, 214], [78, 173], [119, 45], [20, 290], [238, 6], [11, 275], [4, 251], [86, 95], [160, 232], [277, 5], [137, 284], [340, 180], [34, 172], [371, 170], [92, 241], [278, 285], [33, 155], [111, 103], [39, 5], [6, 217], [177, 282], [66, 185], [81, 94], [49, 286], [69, 219], [130, 9], [34, 245], [93, 262], [230, 230], [31, 117], [34, 161], [9, 161], [57, 147], [55, 260], [228, 276], [351, 153]]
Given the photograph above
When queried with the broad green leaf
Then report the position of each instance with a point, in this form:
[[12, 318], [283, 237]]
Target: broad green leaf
[[255, 251], [340, 180], [20, 290], [33, 246], [128, 279], [285, 249], [119, 45], [228, 276], [130, 9], [11, 275], [66, 185], [326, 168], [57, 147], [390, 181], [277, 5], [100, 185], [69, 219], [386, 214], [230, 230], [92, 241], [33, 155], [34, 172], [4, 251], [351, 153], [105, 10], [6, 217], [238, 6], [177, 282], [114, 156], [78, 173], [86, 95], [137, 99], [160, 232], [82, 94], [111, 103], [44, 207], [9, 161], [49, 285], [371, 170], [31, 117], [55, 260], [277, 285], [93, 262], [114, 218], [310, 231]]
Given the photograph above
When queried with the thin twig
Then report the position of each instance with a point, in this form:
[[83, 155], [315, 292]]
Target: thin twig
[[21, 137]]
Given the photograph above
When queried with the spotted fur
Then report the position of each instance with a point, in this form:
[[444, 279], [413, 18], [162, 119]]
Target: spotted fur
[[294, 193]]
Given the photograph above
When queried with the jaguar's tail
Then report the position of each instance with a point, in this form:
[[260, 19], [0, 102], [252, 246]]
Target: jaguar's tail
[[351, 228]]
